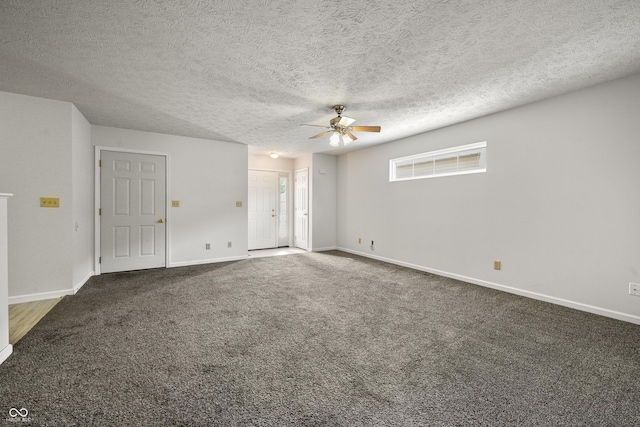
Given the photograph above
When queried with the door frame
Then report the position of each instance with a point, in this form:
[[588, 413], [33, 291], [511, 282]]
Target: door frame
[[96, 232]]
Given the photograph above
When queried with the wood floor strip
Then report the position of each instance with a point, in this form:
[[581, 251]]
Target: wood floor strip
[[24, 316]]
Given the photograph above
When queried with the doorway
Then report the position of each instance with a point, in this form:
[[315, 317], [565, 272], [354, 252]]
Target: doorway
[[268, 206], [261, 207]]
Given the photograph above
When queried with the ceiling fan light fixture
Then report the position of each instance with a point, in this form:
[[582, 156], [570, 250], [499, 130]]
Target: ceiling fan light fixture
[[340, 129], [334, 139]]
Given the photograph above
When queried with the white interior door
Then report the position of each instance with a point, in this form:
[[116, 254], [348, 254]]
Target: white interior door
[[262, 206], [284, 225], [132, 211], [301, 208]]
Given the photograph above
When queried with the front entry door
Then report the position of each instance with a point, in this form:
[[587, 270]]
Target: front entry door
[[262, 209], [132, 211]]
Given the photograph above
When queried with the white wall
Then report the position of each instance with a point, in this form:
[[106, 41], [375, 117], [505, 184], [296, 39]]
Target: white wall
[[558, 205], [268, 164], [323, 188], [303, 162], [322, 199], [82, 189], [36, 161], [207, 177]]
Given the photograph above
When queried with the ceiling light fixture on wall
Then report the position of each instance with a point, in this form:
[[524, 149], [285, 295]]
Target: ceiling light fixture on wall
[[274, 155]]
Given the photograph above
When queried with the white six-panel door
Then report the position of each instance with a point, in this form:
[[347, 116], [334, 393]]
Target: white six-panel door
[[262, 206], [133, 205], [301, 208]]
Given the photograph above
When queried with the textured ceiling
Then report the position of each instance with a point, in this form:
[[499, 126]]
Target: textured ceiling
[[252, 71]]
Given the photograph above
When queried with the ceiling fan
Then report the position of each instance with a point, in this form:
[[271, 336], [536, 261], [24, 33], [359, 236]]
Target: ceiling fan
[[340, 128]]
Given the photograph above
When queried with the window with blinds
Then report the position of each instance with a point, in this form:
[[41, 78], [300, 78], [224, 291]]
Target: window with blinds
[[465, 159]]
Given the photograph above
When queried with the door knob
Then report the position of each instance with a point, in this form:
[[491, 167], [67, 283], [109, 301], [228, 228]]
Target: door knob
[[161, 220]]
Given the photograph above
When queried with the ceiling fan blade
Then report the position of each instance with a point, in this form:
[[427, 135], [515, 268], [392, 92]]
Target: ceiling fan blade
[[346, 121], [365, 128], [320, 134], [316, 126], [352, 136]]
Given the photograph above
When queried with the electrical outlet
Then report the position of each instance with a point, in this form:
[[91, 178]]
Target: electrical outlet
[[497, 265], [207, 246], [359, 240], [634, 289], [229, 244]]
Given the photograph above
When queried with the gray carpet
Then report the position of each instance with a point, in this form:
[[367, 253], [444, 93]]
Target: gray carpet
[[324, 339]]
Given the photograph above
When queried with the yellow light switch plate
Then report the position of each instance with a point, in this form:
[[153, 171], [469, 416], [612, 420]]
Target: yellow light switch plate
[[175, 203], [497, 265], [238, 204], [49, 202]]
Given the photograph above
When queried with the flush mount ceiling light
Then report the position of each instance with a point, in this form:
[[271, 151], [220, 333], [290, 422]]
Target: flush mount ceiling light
[[340, 128], [274, 155]]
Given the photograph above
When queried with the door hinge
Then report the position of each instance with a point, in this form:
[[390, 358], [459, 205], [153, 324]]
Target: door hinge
[[100, 211], [100, 163], [99, 260]]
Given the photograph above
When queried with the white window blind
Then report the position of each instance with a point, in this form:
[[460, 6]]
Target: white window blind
[[465, 159]]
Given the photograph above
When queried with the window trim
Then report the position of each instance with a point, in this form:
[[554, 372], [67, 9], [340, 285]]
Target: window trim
[[433, 154]]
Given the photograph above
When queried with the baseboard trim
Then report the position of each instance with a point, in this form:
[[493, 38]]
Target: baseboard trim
[[521, 292], [207, 261], [5, 353], [19, 299], [329, 248], [77, 287]]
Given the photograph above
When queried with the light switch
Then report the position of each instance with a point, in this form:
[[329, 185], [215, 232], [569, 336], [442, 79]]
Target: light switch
[[175, 203], [238, 204], [49, 202]]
